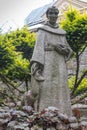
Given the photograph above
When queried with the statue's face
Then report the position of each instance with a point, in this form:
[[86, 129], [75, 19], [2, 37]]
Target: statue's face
[[52, 16]]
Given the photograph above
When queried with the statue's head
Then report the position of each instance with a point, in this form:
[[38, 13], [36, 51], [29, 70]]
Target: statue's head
[[52, 14]]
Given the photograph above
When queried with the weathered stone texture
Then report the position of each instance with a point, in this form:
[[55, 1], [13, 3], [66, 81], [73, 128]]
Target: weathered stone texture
[[54, 89]]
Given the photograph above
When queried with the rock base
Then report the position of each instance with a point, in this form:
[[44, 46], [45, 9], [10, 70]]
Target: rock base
[[48, 119]]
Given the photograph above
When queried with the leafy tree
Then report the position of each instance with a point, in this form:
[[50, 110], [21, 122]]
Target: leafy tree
[[7, 54], [19, 46], [15, 52], [81, 88], [24, 41], [75, 24]]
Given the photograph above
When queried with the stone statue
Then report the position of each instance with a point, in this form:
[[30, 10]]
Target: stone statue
[[48, 65]]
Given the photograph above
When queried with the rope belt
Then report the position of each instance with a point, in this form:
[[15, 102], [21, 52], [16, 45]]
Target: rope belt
[[49, 49]]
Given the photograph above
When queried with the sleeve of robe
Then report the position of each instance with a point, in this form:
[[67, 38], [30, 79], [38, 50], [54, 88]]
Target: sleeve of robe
[[38, 53], [70, 50]]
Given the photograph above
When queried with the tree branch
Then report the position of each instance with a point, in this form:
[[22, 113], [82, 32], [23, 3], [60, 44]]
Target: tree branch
[[9, 83], [82, 50], [77, 73], [78, 98], [80, 80]]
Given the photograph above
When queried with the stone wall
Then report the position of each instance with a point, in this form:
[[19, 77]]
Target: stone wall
[[83, 60]]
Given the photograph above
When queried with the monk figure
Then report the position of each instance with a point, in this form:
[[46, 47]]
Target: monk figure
[[48, 65]]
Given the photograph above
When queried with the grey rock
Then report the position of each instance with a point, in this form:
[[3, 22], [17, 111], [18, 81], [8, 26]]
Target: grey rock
[[18, 113], [11, 125], [3, 121], [27, 109], [62, 116], [14, 125], [74, 125], [4, 115], [4, 118], [83, 123], [51, 108], [72, 119]]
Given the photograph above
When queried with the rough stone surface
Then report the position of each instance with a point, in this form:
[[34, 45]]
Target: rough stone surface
[[83, 60], [82, 108], [53, 91], [50, 118]]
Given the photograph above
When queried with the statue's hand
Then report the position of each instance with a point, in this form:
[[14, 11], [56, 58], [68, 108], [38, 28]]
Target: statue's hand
[[34, 67], [62, 49], [69, 55], [38, 76], [36, 71]]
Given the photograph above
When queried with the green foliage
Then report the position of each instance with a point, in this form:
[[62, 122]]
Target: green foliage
[[2, 96], [19, 69], [24, 41], [15, 52], [75, 24], [7, 54], [81, 88]]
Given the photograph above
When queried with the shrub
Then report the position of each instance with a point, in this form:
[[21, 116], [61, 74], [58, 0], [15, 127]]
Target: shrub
[[81, 88]]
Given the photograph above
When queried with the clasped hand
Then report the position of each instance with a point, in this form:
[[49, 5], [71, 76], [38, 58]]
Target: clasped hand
[[62, 49]]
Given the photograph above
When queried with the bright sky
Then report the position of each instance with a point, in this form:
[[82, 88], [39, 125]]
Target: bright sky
[[14, 12]]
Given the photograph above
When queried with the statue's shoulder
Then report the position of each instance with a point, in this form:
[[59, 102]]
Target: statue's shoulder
[[52, 30]]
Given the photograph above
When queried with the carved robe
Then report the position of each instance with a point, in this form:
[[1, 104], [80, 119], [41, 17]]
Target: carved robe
[[53, 91]]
